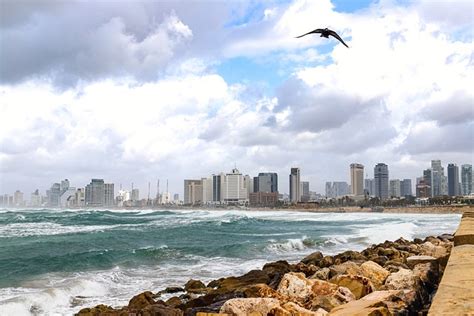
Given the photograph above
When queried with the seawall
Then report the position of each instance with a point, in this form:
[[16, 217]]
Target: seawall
[[455, 295]]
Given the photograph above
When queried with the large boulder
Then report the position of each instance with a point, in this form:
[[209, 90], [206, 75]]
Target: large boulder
[[231, 284], [193, 286], [248, 306], [313, 258], [347, 267], [349, 255], [403, 279], [322, 274], [414, 260], [374, 272], [292, 309], [259, 290], [374, 304], [359, 286], [312, 293], [141, 301], [429, 249]]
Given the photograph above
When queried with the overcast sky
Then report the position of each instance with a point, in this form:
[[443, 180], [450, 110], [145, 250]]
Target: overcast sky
[[135, 92]]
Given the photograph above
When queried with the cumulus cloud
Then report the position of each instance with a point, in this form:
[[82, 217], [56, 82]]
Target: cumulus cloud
[[140, 97]]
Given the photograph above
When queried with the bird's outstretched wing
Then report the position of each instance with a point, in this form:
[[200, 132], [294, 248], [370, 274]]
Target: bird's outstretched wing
[[334, 34], [313, 31]]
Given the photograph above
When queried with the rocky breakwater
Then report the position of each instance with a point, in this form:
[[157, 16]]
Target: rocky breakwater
[[392, 278]]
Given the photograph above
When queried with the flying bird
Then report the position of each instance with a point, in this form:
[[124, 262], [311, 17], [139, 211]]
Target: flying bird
[[325, 33]]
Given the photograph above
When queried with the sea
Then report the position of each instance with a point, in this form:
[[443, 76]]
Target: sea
[[57, 261]]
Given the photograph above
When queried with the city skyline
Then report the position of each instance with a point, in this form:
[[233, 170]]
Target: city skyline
[[171, 90], [381, 185]]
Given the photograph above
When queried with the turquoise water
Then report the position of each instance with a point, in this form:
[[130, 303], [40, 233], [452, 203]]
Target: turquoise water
[[54, 262]]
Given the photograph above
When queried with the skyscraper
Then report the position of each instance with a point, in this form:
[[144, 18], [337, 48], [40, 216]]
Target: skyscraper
[[357, 179], [95, 193], [438, 179], [304, 189], [109, 194], [53, 195], [217, 187], [427, 181], [266, 182], [369, 186], [453, 179], [192, 191], [207, 189], [405, 187], [235, 190], [395, 188], [381, 181], [466, 179], [295, 194]]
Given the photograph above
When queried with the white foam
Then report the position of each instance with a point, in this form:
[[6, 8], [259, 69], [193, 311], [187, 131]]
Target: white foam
[[47, 228]]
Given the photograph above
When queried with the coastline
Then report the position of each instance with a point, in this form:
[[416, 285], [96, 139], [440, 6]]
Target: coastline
[[398, 276]]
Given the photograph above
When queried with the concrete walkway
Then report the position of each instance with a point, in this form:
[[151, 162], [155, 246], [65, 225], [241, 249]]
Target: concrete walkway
[[455, 295]]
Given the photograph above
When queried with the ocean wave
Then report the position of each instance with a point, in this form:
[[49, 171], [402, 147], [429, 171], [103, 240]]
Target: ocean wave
[[41, 229], [291, 245]]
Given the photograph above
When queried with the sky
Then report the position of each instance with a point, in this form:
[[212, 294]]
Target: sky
[[136, 91]]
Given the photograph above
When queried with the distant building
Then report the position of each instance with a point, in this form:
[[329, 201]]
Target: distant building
[[266, 182], [405, 188], [423, 189], [80, 197], [35, 199], [68, 197], [18, 198], [336, 189], [381, 181], [369, 186], [357, 179], [207, 187], [135, 195], [466, 179], [99, 194], [235, 189], [217, 187], [395, 190], [109, 193], [95, 194], [264, 199], [53, 195], [295, 193], [176, 197], [192, 192], [438, 179], [453, 180], [428, 180], [304, 189]]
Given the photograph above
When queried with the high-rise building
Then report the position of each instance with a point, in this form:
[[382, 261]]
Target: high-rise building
[[423, 190], [466, 179], [64, 185], [405, 187], [266, 182], [235, 190], [357, 179], [248, 184], [109, 194], [304, 189], [217, 184], [395, 188], [453, 179], [176, 197], [207, 188], [35, 199], [80, 197], [192, 192], [95, 193], [336, 189], [18, 198], [438, 180], [428, 180], [135, 195], [53, 195], [381, 181], [68, 196], [295, 193], [369, 186]]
